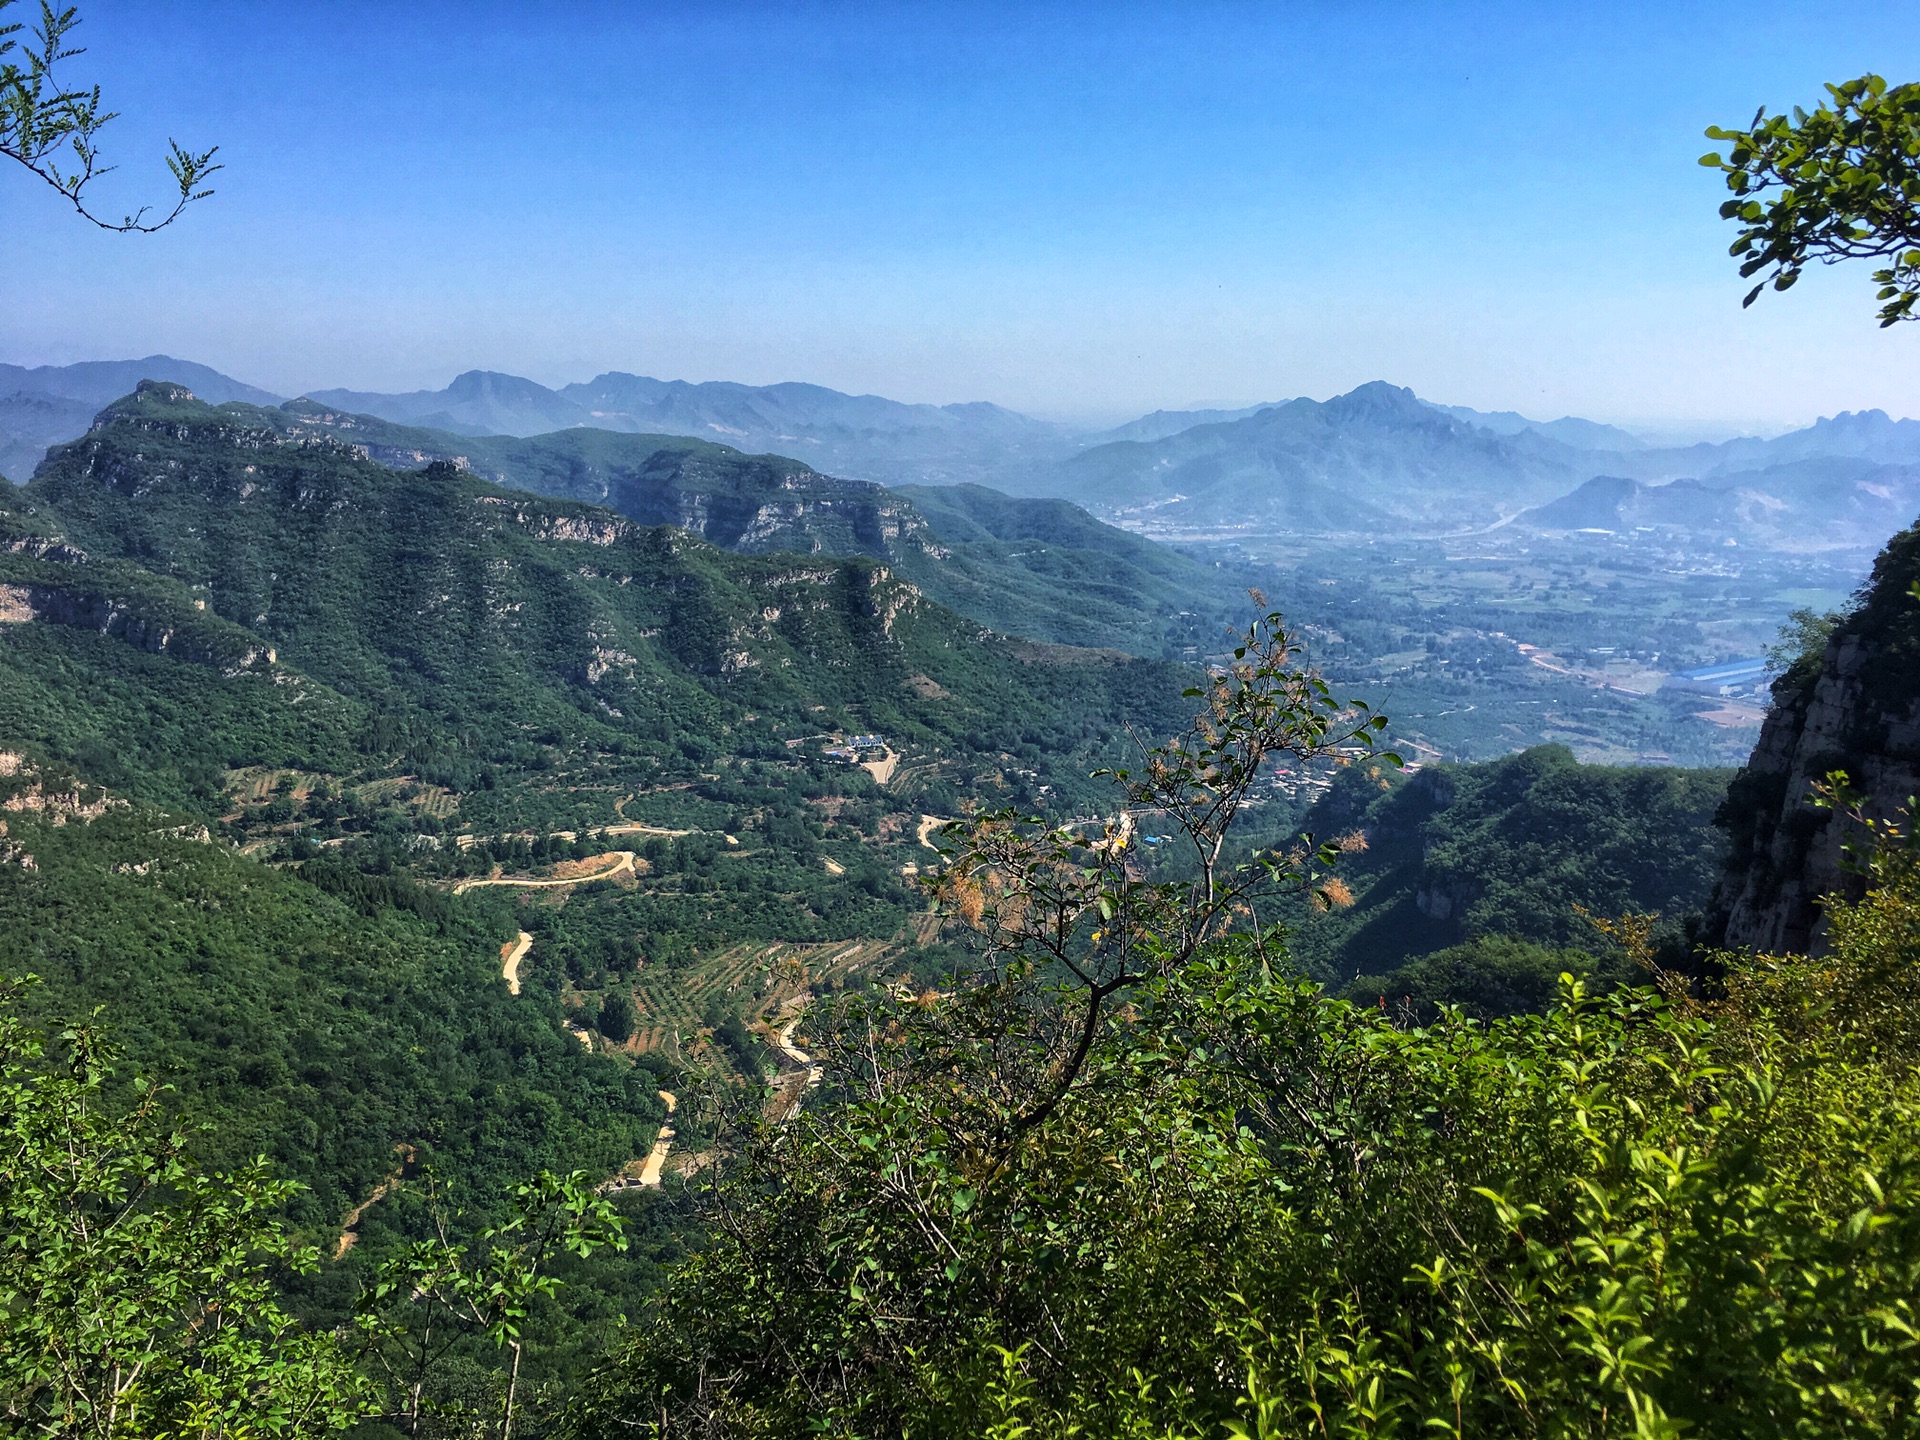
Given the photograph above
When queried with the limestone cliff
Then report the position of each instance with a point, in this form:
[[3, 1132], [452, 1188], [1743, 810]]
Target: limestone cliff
[[1856, 708]]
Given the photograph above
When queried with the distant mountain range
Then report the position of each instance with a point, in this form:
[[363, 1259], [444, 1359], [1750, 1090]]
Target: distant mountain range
[[1816, 503], [863, 436], [1378, 460], [1043, 569], [1381, 461]]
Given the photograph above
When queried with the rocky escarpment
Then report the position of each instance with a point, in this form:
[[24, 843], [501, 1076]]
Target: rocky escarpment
[[146, 624], [47, 580], [1855, 707], [754, 504]]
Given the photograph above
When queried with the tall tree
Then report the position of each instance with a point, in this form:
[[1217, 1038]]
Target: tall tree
[[53, 129]]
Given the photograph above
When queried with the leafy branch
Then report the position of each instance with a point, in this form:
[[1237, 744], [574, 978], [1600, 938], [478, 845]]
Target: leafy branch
[[53, 130], [430, 1294], [1051, 901], [1839, 183]]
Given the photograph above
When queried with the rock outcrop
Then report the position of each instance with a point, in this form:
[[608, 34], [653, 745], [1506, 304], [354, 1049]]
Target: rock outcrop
[[1856, 708]]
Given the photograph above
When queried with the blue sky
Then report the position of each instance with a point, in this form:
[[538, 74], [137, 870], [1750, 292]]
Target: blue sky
[[1069, 209]]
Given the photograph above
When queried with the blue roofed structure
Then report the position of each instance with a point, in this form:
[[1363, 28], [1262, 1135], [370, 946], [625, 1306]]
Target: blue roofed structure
[[1726, 677]]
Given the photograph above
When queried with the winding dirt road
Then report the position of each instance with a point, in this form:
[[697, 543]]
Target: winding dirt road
[[350, 1227], [622, 866], [800, 1058], [510, 958]]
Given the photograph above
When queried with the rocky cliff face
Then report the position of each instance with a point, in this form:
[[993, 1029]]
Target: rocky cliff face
[[1854, 708], [754, 504]]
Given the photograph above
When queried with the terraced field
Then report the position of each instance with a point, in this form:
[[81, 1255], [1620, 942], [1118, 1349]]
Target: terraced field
[[755, 977]]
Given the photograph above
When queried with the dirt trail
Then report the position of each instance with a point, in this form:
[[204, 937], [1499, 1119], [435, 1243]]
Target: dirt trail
[[350, 1227], [510, 957], [795, 1053], [928, 823], [803, 1063], [622, 866], [657, 1158], [882, 769]]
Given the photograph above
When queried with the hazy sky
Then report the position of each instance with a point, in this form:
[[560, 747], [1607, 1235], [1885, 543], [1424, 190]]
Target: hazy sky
[[1069, 209]]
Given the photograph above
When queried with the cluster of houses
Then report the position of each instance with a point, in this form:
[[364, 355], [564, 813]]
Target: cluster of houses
[[857, 750]]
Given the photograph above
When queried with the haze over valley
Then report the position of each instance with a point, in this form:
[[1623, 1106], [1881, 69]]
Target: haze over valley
[[1493, 581], [1245, 768]]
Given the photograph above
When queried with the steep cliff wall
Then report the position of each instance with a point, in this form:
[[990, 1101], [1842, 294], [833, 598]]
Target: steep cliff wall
[[1855, 708]]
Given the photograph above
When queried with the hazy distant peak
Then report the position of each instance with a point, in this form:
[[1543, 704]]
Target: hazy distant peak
[[96, 382], [1161, 423], [1378, 400], [985, 409], [1861, 426], [492, 384], [1568, 429]]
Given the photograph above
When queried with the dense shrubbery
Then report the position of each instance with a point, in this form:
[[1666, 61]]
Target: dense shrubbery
[[1487, 978], [1246, 1208]]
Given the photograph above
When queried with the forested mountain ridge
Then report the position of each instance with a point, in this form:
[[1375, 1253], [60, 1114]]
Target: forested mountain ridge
[[494, 628], [749, 503], [1038, 568]]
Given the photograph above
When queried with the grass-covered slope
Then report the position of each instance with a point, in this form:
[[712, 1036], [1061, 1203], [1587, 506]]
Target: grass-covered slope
[[1509, 848]]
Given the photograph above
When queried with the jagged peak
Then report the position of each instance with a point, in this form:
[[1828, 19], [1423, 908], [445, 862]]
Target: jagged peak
[[148, 397]]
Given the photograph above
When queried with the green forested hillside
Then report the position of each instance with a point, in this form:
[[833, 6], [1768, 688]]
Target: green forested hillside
[[316, 1021], [1509, 848], [1045, 569], [750, 503], [485, 639], [288, 645]]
